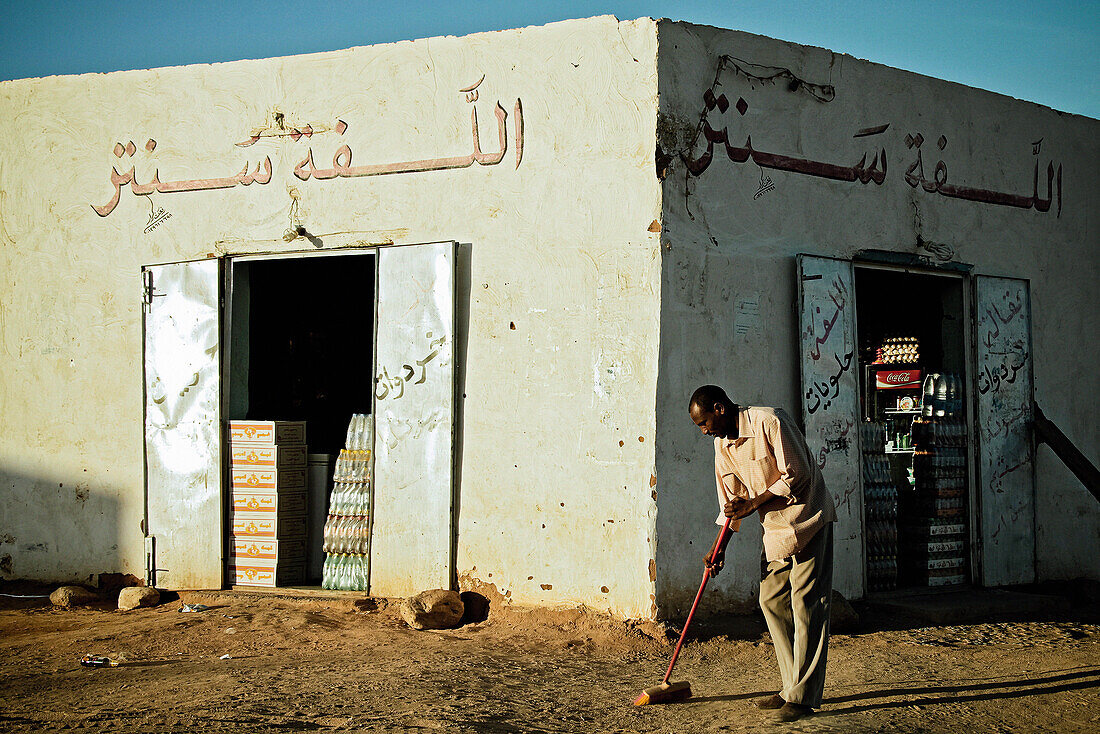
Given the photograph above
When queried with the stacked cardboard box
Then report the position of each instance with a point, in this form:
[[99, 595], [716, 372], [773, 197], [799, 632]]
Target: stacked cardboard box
[[269, 502]]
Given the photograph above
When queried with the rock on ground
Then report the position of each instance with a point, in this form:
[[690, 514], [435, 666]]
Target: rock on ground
[[133, 597], [434, 609], [842, 618], [69, 596]]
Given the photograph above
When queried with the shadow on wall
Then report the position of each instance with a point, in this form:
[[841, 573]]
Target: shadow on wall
[[58, 529], [463, 269]]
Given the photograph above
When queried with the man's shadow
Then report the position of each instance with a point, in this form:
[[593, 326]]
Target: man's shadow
[[962, 692]]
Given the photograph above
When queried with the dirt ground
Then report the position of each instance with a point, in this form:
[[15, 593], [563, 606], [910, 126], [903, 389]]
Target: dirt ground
[[353, 665]]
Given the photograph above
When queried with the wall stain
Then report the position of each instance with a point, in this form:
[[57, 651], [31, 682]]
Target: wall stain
[[467, 582]]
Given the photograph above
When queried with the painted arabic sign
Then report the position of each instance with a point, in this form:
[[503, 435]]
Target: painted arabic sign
[[1005, 450], [306, 169], [860, 172], [830, 401]]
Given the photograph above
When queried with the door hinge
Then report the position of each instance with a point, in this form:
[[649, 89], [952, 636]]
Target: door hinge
[[151, 561], [146, 288], [148, 293]]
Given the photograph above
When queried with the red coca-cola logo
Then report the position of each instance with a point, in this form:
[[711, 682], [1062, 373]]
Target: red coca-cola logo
[[897, 378]]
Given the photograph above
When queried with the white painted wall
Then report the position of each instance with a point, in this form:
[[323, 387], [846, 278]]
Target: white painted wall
[[720, 245], [558, 432], [564, 444]]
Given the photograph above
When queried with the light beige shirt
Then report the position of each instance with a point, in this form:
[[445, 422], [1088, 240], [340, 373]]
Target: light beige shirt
[[770, 454]]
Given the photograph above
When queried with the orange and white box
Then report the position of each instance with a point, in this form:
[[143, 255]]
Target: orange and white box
[[247, 573], [267, 480], [269, 504], [248, 456], [255, 525], [267, 433], [247, 551]]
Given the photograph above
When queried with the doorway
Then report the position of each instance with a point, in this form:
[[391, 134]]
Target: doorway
[[301, 350], [917, 462], [298, 344]]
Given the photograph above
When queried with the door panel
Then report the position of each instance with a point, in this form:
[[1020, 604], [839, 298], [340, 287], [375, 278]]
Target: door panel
[[184, 505], [411, 546], [1006, 466], [830, 403]]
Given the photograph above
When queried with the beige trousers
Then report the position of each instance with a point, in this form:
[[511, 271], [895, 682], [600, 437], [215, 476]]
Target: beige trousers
[[795, 598]]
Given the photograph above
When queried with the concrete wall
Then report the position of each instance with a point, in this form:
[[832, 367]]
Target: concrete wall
[[562, 309], [722, 243]]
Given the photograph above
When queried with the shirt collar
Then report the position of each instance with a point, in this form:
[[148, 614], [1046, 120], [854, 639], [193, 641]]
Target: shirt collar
[[743, 425]]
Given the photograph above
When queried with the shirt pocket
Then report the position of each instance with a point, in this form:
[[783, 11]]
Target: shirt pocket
[[763, 473], [732, 484]]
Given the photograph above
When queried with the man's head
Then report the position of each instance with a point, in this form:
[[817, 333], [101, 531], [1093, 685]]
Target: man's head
[[713, 412]]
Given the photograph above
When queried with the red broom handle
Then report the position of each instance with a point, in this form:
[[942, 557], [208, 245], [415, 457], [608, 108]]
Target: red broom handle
[[706, 575]]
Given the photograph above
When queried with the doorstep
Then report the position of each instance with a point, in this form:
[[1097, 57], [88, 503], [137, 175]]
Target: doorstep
[[313, 596], [969, 605]]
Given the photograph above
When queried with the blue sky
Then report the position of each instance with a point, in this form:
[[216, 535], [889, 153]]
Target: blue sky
[[1045, 52]]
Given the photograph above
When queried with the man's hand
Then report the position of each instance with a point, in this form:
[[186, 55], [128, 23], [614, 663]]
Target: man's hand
[[738, 508], [716, 566]]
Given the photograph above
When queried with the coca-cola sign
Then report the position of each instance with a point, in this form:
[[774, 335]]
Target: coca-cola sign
[[897, 379]]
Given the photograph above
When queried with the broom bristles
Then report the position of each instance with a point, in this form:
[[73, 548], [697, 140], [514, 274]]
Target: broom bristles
[[665, 693]]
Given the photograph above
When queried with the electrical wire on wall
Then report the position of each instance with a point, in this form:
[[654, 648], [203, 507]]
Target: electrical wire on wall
[[938, 250], [755, 74], [295, 229], [773, 74]]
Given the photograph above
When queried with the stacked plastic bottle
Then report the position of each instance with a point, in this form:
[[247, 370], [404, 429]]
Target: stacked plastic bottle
[[880, 501], [936, 522], [347, 530]]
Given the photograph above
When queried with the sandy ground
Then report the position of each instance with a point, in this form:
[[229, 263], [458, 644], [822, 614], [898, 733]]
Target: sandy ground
[[298, 665]]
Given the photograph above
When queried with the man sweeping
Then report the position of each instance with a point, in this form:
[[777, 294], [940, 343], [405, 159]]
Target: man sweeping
[[762, 464]]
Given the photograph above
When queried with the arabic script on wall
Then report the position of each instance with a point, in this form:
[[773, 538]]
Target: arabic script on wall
[[393, 386], [306, 169], [830, 400], [860, 172]]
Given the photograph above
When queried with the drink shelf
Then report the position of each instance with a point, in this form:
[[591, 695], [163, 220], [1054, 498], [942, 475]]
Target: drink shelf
[[897, 411], [900, 451]]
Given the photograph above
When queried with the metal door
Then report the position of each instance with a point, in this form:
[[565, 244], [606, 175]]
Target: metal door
[[183, 482], [411, 545], [830, 403], [1006, 452]]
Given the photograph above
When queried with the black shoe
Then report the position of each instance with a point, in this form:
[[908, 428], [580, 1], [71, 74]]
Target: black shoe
[[769, 702], [793, 712]]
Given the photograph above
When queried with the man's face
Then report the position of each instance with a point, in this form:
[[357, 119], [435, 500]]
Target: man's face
[[714, 422]]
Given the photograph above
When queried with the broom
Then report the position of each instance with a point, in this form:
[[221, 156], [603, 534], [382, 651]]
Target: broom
[[670, 692]]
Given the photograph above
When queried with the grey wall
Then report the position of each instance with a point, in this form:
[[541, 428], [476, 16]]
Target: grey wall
[[721, 243]]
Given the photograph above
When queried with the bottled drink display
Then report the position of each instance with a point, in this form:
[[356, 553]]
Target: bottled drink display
[[915, 469], [347, 530], [936, 515], [880, 506]]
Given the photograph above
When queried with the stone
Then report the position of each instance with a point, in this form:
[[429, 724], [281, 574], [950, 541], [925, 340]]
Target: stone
[[842, 618], [435, 609], [71, 596], [133, 597]]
